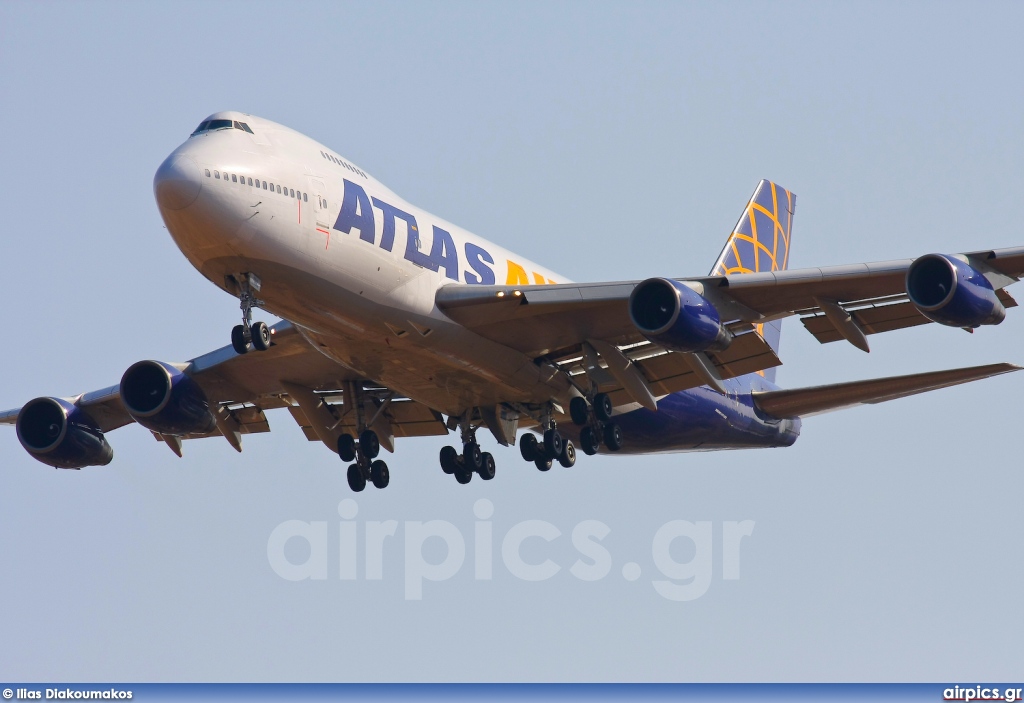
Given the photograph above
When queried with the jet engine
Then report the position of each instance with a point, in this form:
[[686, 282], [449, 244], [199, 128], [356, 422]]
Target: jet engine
[[62, 435], [676, 317], [950, 292], [163, 399]]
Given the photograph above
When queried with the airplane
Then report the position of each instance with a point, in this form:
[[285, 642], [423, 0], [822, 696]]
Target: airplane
[[396, 323]]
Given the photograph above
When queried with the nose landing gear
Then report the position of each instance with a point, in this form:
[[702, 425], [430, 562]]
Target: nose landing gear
[[249, 333]]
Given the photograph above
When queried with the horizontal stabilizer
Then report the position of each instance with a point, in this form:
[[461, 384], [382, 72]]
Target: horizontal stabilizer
[[802, 402]]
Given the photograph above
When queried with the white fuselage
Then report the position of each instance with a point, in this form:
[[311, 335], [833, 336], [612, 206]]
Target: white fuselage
[[269, 202]]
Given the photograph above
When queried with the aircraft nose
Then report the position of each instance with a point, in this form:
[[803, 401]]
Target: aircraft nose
[[177, 182]]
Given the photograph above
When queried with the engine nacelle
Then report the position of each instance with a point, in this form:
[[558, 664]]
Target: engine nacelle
[[948, 291], [62, 435], [676, 317], [163, 399]]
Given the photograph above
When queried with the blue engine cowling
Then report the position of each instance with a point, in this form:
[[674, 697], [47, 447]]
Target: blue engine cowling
[[163, 399], [62, 435], [677, 317], [950, 292]]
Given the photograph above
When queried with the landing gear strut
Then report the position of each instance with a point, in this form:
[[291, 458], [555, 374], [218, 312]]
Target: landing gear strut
[[596, 420], [366, 466], [554, 446], [471, 461], [257, 334]]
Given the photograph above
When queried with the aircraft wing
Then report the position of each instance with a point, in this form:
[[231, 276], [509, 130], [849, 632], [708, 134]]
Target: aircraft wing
[[804, 402], [541, 320], [291, 374]]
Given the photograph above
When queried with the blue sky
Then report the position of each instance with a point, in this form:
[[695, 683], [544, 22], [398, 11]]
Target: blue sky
[[609, 141]]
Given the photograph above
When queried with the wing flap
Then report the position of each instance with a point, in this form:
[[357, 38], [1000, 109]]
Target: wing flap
[[407, 419], [877, 318], [670, 372], [804, 402], [250, 419]]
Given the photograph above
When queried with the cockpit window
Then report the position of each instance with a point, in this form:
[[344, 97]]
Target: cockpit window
[[211, 125]]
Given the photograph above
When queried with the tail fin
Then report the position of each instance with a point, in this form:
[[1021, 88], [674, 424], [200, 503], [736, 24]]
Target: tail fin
[[760, 242]]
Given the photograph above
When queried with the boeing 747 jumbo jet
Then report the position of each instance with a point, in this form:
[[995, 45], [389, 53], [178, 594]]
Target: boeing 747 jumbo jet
[[399, 324]]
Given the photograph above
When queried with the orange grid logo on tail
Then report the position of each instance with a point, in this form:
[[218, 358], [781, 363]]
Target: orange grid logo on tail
[[760, 239]]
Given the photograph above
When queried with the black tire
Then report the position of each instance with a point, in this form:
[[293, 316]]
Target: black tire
[[449, 460], [528, 446], [369, 445], [487, 468], [602, 407], [568, 456], [579, 411], [553, 444], [588, 441], [542, 463], [347, 447], [356, 480], [613, 436], [260, 336], [472, 457], [379, 474], [238, 342], [463, 477]]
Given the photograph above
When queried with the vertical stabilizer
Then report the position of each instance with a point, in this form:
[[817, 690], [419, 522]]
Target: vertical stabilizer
[[760, 242]]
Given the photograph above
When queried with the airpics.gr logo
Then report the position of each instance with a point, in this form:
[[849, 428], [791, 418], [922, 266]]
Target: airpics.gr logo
[[590, 559]]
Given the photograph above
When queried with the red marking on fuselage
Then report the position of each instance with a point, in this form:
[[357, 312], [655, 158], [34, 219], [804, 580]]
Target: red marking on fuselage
[[328, 233]]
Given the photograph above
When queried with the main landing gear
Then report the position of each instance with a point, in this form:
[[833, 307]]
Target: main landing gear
[[554, 446], [597, 424], [543, 453], [366, 467], [255, 333], [471, 461]]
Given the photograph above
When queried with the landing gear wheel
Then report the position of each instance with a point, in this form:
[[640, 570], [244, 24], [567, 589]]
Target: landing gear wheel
[[589, 441], [487, 468], [260, 336], [356, 480], [602, 407], [579, 411], [528, 446], [463, 477], [472, 456], [238, 342], [542, 463], [553, 443], [613, 436], [568, 455], [449, 460], [347, 447], [379, 474], [369, 444]]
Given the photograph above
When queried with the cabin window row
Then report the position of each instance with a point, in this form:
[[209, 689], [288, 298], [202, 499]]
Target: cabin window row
[[342, 163], [257, 183]]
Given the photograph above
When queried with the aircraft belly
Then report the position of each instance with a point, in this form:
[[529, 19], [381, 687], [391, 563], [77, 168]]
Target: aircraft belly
[[700, 419], [427, 358]]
